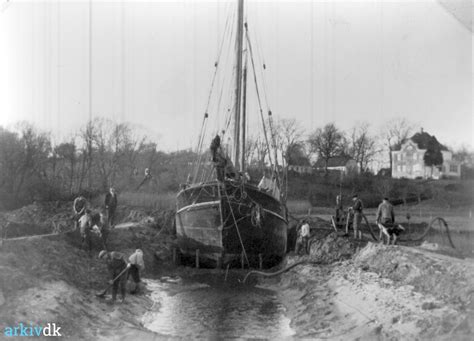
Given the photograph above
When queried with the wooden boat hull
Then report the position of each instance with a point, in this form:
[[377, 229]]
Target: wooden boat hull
[[221, 219]]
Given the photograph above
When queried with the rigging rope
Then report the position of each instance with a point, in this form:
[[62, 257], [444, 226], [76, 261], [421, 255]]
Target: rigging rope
[[236, 226], [199, 147], [216, 64], [262, 61], [258, 96], [202, 135]]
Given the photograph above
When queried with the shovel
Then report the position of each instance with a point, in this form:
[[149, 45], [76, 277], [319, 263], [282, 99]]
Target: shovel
[[102, 294]]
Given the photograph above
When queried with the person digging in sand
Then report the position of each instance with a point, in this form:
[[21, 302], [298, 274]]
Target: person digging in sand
[[118, 267], [136, 265]]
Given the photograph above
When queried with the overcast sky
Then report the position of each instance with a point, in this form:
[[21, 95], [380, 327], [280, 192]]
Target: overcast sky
[[152, 64]]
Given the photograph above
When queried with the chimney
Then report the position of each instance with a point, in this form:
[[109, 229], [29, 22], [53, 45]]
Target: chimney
[[421, 130]]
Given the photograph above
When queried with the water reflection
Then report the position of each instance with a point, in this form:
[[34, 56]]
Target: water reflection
[[198, 310]]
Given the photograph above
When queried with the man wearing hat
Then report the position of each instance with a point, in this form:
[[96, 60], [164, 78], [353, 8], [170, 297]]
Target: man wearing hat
[[385, 219], [357, 211], [117, 266], [111, 206]]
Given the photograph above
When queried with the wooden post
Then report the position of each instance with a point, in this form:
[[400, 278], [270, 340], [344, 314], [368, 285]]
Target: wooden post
[[197, 258], [242, 259], [174, 255], [260, 261]]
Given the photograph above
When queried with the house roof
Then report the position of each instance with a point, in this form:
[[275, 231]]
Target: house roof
[[337, 161], [424, 141]]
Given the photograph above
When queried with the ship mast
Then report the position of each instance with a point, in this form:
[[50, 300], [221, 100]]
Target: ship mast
[[238, 86]]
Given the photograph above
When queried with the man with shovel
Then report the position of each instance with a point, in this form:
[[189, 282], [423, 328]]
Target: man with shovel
[[118, 267]]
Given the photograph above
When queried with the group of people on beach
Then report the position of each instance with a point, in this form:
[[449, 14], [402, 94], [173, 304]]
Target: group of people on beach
[[90, 222], [385, 220], [120, 267]]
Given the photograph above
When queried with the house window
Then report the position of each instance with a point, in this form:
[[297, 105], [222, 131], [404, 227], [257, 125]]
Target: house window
[[394, 157], [415, 156], [404, 168], [453, 168]]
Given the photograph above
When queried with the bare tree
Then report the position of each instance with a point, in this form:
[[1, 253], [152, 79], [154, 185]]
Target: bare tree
[[88, 135], [11, 151], [250, 149], [326, 142], [67, 151], [464, 154], [395, 133], [288, 134], [34, 159], [362, 146], [262, 152]]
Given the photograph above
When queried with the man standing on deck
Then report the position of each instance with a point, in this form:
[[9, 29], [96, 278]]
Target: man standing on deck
[[117, 266], [111, 206]]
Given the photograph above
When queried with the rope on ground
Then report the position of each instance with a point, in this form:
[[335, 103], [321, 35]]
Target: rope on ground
[[271, 274]]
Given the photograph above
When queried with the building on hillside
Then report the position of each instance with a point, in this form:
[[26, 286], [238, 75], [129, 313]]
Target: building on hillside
[[301, 169], [409, 161], [342, 163]]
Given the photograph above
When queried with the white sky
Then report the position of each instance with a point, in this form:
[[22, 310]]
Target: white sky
[[340, 61]]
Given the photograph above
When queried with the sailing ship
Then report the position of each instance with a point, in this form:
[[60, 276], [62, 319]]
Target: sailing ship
[[229, 219]]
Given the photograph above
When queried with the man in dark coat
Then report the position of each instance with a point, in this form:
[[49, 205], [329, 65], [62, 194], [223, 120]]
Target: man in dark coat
[[111, 206], [356, 209], [385, 219], [117, 265]]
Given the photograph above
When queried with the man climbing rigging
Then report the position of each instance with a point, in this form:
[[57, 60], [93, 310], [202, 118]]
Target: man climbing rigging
[[224, 166]]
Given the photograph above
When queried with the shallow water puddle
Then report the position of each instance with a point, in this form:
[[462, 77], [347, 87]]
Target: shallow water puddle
[[199, 310]]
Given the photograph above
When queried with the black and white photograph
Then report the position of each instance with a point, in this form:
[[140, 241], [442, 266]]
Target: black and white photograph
[[236, 170]]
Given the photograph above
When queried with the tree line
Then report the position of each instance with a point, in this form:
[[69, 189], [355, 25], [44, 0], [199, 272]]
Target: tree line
[[105, 153], [102, 153], [299, 146]]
